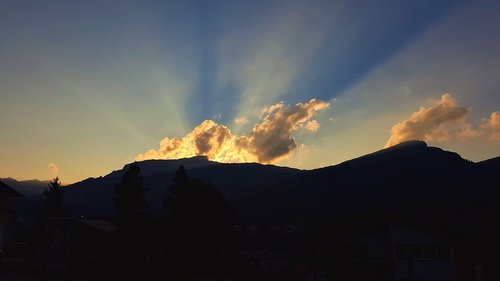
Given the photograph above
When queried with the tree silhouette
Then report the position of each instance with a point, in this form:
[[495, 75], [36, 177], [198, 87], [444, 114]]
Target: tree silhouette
[[53, 200], [52, 206], [130, 196], [200, 220]]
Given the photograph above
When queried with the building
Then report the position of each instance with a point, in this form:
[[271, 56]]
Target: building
[[78, 241], [379, 245]]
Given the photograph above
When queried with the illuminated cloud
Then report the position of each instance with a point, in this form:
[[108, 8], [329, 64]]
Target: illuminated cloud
[[241, 120], [492, 125], [468, 132], [493, 122], [209, 138], [270, 109], [495, 136], [312, 126], [53, 168], [431, 123], [268, 142]]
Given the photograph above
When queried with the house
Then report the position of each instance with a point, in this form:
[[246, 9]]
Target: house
[[379, 245], [78, 241]]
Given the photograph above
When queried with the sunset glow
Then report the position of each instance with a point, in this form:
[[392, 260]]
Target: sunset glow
[[268, 142], [89, 87]]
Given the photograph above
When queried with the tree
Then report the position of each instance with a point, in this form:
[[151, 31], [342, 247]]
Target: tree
[[53, 201], [200, 220], [130, 196], [52, 206]]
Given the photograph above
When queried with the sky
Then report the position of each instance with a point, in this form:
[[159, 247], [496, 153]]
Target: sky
[[88, 86]]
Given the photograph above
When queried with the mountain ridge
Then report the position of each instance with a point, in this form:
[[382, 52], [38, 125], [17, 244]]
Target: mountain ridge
[[494, 161], [411, 178], [158, 174], [29, 188], [9, 192]]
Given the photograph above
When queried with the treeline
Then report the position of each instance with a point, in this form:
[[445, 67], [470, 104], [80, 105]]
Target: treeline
[[196, 229], [194, 235]]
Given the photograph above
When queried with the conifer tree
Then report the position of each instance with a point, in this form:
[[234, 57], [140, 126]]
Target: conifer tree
[[130, 196], [53, 200], [200, 220]]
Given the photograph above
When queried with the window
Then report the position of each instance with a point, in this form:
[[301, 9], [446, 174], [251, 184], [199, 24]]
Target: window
[[443, 252], [401, 251], [415, 250], [429, 251], [423, 251]]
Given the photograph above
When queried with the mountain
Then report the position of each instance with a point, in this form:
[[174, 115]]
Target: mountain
[[8, 191], [423, 182], [493, 164], [412, 179], [94, 196], [30, 188]]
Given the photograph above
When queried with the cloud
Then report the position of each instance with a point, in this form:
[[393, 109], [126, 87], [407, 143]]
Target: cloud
[[493, 121], [468, 132], [53, 168], [208, 138], [431, 123], [268, 142], [492, 126], [241, 120], [270, 109], [312, 126], [495, 136]]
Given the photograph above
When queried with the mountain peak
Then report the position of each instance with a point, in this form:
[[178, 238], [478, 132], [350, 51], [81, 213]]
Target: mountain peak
[[200, 158], [412, 152], [409, 144], [413, 147]]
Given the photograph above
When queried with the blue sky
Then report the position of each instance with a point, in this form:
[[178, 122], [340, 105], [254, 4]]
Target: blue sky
[[88, 85]]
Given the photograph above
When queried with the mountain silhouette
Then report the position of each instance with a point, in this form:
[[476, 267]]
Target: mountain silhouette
[[423, 182], [412, 179], [493, 164], [8, 192], [30, 188], [93, 196]]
